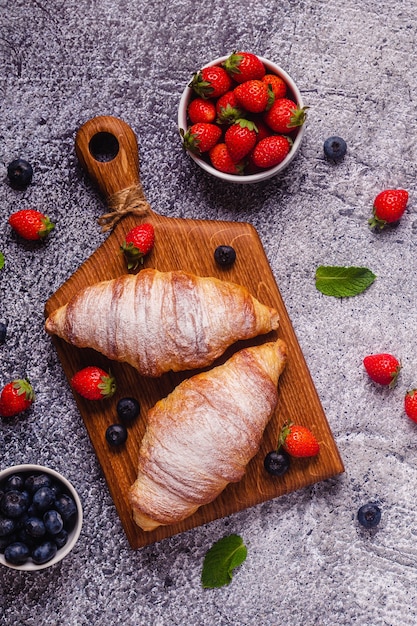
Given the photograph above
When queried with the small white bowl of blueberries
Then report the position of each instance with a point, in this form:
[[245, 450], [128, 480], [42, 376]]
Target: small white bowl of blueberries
[[40, 517]]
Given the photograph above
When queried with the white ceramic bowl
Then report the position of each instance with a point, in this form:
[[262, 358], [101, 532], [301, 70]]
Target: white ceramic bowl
[[293, 92], [72, 535]]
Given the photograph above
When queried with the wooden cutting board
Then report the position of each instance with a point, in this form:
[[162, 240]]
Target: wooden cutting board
[[189, 245]]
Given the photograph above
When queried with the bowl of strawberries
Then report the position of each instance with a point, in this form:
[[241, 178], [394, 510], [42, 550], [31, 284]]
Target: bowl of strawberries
[[241, 118]]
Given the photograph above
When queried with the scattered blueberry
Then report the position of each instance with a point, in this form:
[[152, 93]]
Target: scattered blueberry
[[116, 434], [277, 462], [17, 553], [44, 552], [225, 255], [369, 515], [128, 409], [3, 332], [335, 148], [35, 527], [20, 173], [43, 498], [14, 503]]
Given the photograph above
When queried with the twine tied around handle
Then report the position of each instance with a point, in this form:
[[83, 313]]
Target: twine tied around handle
[[130, 200]]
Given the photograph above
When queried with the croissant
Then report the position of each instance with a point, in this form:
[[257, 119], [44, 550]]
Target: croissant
[[202, 436], [161, 321]]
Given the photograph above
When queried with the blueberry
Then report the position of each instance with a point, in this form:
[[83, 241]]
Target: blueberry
[[53, 522], [61, 538], [6, 541], [335, 148], [35, 527], [7, 526], [44, 552], [43, 498], [128, 409], [67, 509], [116, 434], [14, 482], [34, 481], [3, 332], [225, 255], [277, 462], [14, 503], [20, 173], [17, 553], [369, 515]]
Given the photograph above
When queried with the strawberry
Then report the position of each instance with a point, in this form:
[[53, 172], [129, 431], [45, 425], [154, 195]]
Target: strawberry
[[284, 115], [410, 404], [211, 82], [138, 243], [227, 108], [277, 85], [389, 206], [93, 383], [221, 160], [240, 138], [382, 368], [298, 440], [201, 110], [16, 397], [201, 137], [270, 151], [243, 66], [253, 96], [31, 224]]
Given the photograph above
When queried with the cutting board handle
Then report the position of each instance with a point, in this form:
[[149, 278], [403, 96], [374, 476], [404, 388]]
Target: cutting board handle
[[107, 149]]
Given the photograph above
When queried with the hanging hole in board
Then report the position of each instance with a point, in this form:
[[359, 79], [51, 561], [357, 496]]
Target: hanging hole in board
[[103, 147]]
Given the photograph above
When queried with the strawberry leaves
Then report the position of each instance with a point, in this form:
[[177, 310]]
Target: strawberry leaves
[[343, 282], [220, 561]]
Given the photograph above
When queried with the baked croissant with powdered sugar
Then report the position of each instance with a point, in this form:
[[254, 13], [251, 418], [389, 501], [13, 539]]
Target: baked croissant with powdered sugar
[[161, 321], [201, 437]]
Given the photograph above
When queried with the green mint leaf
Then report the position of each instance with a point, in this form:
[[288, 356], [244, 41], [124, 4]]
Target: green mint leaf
[[1, 260], [343, 282], [221, 560]]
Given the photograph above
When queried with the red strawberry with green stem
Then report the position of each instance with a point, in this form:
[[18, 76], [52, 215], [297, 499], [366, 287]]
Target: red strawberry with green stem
[[389, 207], [270, 151], [410, 404], [276, 84], [211, 82], [254, 96], [201, 137], [298, 440], [93, 383], [138, 243], [16, 397], [284, 115], [31, 224], [240, 138], [382, 368], [243, 66], [221, 160], [201, 110], [227, 108]]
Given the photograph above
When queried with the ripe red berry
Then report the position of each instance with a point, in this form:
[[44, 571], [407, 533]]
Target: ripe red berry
[[410, 404], [93, 383], [270, 151], [201, 137], [138, 243], [31, 224], [211, 82], [253, 96], [284, 115], [389, 207], [243, 66], [298, 440], [221, 160], [16, 397], [201, 110], [277, 85], [382, 368], [240, 138]]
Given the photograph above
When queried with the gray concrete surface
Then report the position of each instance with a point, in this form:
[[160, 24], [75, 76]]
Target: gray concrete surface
[[308, 561]]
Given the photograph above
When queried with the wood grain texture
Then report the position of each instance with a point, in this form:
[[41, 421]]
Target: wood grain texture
[[188, 245]]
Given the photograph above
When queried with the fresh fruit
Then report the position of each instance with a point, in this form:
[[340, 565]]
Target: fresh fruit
[[128, 409], [221, 160], [116, 434], [277, 85], [270, 151], [389, 207], [201, 137], [201, 110], [369, 515], [335, 149], [382, 368], [225, 255], [20, 173], [14, 503], [284, 115], [43, 498], [227, 108], [3, 332], [243, 66], [17, 553], [277, 462], [93, 383], [31, 224], [211, 82], [240, 138], [16, 397], [254, 96], [138, 243], [298, 440], [410, 404], [53, 522], [44, 552]]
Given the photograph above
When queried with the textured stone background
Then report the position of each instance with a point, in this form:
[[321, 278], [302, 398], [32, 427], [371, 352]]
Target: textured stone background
[[62, 62]]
